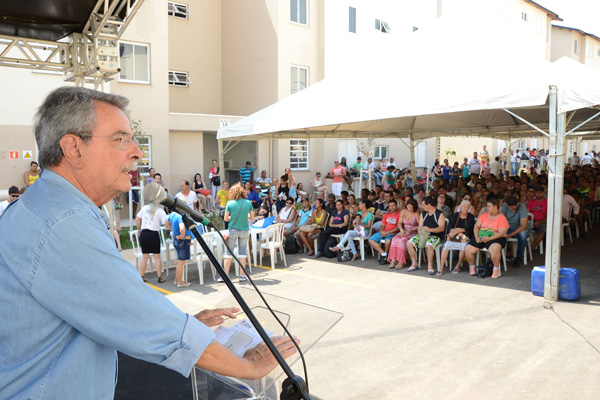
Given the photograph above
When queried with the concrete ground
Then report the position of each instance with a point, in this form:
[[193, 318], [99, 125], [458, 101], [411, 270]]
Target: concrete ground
[[414, 336]]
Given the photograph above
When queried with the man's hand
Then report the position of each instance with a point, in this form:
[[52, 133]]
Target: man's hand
[[216, 317], [263, 361]]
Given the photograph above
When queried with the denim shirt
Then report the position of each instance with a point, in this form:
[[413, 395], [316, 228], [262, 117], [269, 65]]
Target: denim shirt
[[69, 300]]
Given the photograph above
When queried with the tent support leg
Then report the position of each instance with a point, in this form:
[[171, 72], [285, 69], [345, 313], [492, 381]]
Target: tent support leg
[[555, 188], [413, 170], [220, 158]]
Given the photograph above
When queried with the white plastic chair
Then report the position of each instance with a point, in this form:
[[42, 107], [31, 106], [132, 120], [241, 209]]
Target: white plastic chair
[[273, 240], [502, 252], [361, 242], [200, 257]]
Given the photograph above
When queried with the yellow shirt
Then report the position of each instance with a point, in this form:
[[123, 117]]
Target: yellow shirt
[[224, 196]]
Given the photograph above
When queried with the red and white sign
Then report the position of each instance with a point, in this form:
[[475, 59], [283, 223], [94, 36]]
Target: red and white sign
[[14, 154]]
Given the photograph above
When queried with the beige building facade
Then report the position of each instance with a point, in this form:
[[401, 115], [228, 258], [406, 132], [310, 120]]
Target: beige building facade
[[191, 67]]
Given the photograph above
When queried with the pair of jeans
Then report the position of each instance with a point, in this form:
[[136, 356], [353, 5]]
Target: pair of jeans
[[521, 240], [242, 242], [349, 237], [378, 176]]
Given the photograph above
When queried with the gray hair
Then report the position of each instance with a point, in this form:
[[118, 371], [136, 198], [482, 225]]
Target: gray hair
[[465, 202], [68, 110]]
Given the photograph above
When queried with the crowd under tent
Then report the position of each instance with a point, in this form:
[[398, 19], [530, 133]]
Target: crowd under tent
[[420, 100]]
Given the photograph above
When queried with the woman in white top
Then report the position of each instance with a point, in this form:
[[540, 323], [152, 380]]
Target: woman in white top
[[287, 216], [319, 186], [148, 222]]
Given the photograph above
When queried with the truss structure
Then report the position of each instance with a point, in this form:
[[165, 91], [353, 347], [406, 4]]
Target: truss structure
[[89, 57]]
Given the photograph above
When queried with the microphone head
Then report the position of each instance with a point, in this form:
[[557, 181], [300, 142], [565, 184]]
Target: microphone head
[[154, 193]]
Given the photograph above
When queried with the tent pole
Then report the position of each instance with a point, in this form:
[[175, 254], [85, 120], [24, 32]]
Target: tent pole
[[555, 189], [220, 158], [413, 170], [508, 164]]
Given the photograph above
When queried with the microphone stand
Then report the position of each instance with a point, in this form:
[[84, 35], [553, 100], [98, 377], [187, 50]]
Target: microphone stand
[[293, 387]]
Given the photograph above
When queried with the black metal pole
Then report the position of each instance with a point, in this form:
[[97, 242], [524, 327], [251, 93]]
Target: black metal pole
[[294, 387]]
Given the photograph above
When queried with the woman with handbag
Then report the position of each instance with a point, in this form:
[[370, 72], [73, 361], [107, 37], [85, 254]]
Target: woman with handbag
[[361, 224], [215, 180], [338, 224], [206, 199], [408, 224], [314, 226], [462, 223], [239, 229]]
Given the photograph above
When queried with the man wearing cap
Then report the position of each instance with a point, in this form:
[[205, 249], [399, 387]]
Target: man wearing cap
[[246, 172]]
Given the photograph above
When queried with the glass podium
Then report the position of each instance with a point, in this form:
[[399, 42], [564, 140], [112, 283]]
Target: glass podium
[[309, 323]]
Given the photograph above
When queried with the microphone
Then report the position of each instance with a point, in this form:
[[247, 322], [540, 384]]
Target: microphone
[[153, 192]]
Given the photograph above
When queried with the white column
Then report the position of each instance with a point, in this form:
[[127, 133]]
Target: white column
[[555, 189], [413, 170]]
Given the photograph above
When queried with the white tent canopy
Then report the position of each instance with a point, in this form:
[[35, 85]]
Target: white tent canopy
[[463, 99]]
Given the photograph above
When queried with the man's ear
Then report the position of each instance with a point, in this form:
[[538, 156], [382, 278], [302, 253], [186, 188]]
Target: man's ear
[[70, 145]]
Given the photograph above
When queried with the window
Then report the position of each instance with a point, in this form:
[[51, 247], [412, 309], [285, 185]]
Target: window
[[298, 78], [134, 60], [145, 145], [177, 78], [299, 154], [178, 10], [598, 53], [524, 16], [590, 51], [352, 19], [576, 47], [299, 11], [348, 149], [380, 152], [382, 26]]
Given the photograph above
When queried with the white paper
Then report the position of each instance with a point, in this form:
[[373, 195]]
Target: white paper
[[240, 337]]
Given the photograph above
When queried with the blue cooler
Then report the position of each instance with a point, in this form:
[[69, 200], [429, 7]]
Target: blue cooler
[[568, 283]]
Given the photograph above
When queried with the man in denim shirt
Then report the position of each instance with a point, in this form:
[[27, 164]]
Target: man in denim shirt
[[69, 300]]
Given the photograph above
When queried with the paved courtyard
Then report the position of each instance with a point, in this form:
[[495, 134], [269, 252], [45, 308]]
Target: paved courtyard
[[414, 336]]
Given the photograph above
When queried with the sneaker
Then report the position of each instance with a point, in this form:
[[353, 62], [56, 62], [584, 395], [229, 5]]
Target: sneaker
[[219, 279], [243, 278], [204, 211], [516, 263], [183, 284], [382, 260]]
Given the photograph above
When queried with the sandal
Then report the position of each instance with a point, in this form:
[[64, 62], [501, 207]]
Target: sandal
[[412, 268], [471, 271], [354, 257], [400, 266], [161, 279], [440, 273], [392, 265], [310, 253], [143, 278], [456, 271], [431, 272], [496, 273]]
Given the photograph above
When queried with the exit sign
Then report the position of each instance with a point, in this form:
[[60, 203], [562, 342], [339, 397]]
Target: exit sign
[[14, 154]]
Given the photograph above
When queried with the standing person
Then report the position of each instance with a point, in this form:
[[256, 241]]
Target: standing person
[[474, 166], [455, 173], [390, 178], [215, 181], [338, 224], [240, 210], [433, 222], [187, 196], [246, 172], [182, 240], [80, 315], [135, 196], [150, 178], [283, 192], [504, 159], [205, 198], [337, 173], [484, 156], [347, 176], [489, 232], [495, 167], [317, 221], [148, 222], [31, 175], [13, 194], [318, 185], [408, 225], [447, 171], [513, 163], [388, 228]]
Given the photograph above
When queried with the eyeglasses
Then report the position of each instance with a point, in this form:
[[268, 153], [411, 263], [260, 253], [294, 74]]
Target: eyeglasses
[[289, 202], [14, 196], [125, 139]]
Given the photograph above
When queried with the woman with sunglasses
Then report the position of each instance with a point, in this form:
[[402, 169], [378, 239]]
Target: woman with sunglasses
[[338, 224], [287, 216]]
